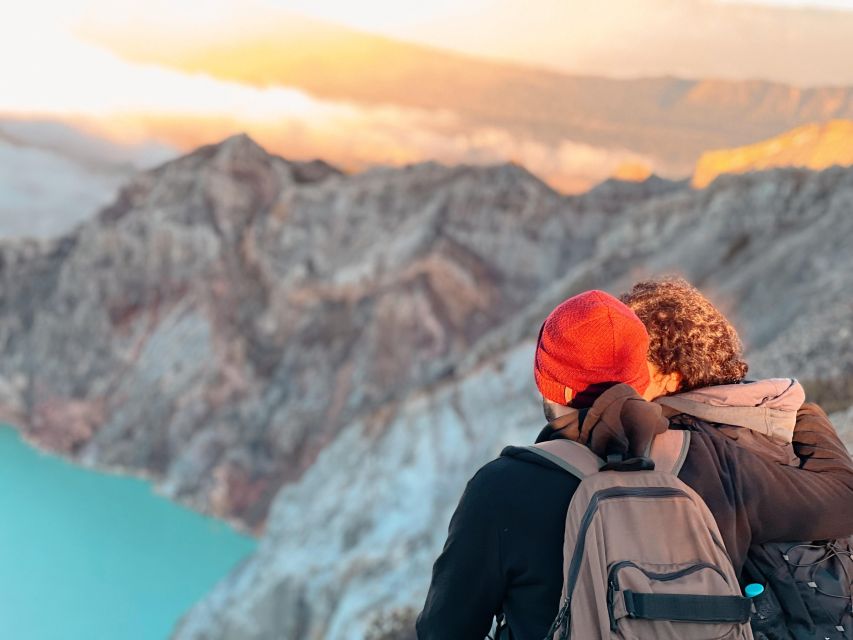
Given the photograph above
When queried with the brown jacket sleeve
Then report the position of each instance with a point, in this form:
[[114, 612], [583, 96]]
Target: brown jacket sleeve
[[817, 444], [814, 502]]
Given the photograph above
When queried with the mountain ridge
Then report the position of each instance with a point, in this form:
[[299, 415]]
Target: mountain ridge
[[814, 146], [316, 359], [206, 221]]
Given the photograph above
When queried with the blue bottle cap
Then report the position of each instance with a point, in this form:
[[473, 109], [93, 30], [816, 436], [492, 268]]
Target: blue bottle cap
[[753, 589]]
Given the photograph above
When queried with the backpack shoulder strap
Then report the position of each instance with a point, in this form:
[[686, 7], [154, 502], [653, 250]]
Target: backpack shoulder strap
[[669, 450], [574, 457]]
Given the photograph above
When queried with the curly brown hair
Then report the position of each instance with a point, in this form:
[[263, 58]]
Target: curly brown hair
[[687, 333]]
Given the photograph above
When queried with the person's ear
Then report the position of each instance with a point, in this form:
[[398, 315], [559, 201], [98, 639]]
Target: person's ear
[[661, 384], [671, 382]]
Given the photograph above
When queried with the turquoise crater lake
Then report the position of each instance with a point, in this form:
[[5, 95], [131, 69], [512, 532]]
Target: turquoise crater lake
[[90, 556]]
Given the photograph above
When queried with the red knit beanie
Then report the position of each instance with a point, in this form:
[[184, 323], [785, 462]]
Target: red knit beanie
[[589, 343]]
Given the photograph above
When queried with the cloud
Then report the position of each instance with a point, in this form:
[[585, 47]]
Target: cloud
[[70, 80]]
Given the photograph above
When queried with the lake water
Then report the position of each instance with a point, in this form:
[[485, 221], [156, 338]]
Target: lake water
[[91, 556]]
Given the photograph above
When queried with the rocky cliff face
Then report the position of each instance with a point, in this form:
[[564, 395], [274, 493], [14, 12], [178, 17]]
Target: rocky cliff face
[[358, 533], [230, 313], [330, 357]]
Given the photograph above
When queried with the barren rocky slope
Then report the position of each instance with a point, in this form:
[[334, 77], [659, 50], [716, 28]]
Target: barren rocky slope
[[348, 349], [358, 533], [224, 318]]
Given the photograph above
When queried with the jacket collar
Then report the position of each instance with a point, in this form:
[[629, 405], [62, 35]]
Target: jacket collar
[[566, 426]]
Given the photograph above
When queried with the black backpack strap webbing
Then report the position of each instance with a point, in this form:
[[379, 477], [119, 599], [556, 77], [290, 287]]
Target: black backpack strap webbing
[[687, 608]]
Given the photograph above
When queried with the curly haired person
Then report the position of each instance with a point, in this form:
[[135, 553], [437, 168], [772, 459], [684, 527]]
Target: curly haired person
[[697, 374]]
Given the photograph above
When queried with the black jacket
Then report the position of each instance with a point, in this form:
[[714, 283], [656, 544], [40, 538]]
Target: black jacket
[[504, 547]]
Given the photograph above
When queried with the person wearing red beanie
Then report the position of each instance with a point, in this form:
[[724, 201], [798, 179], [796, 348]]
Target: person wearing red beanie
[[586, 345]]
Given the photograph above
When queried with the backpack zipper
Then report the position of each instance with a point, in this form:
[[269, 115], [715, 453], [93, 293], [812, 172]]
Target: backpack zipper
[[664, 577]]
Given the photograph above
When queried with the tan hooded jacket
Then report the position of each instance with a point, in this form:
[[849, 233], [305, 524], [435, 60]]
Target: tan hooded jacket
[[760, 415]]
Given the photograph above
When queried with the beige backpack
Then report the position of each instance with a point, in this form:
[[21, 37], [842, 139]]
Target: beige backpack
[[643, 557]]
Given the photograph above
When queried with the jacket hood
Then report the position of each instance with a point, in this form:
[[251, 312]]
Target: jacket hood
[[767, 406], [618, 422]]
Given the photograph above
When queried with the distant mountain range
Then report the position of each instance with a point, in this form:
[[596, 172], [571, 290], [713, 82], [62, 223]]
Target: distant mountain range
[[87, 169], [326, 358], [570, 130]]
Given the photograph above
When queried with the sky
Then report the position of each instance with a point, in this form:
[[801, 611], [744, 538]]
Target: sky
[[479, 26], [45, 64], [623, 38], [415, 18], [50, 69], [48, 72], [832, 4]]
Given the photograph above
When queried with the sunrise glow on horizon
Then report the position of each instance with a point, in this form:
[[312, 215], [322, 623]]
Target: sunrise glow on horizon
[[48, 67], [184, 73]]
